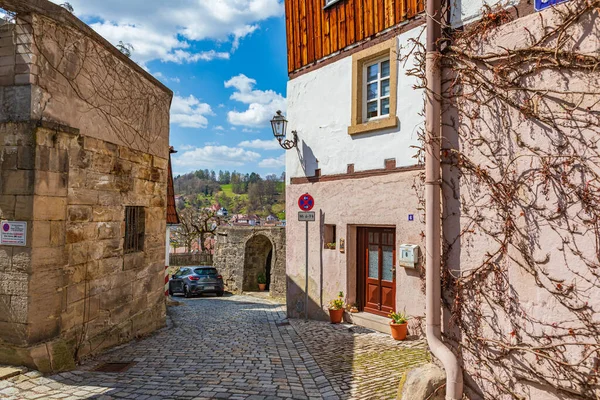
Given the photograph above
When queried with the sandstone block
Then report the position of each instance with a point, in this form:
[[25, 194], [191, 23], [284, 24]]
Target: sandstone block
[[76, 292], [109, 266], [100, 146], [18, 309], [133, 261], [24, 79], [117, 297], [7, 60], [78, 253], [21, 260], [57, 233], [99, 181], [79, 213], [51, 183], [7, 70], [79, 196], [110, 197], [77, 178], [41, 234], [105, 249], [109, 230], [24, 208], [160, 163], [7, 206], [49, 208], [103, 163], [134, 156], [73, 316], [13, 283], [6, 253], [79, 232], [108, 214], [18, 182], [26, 157], [48, 256], [14, 333]]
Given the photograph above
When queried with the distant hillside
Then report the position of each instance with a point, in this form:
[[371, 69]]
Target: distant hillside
[[238, 193]]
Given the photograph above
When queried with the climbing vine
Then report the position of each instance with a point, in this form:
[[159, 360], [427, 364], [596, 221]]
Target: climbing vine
[[521, 187]]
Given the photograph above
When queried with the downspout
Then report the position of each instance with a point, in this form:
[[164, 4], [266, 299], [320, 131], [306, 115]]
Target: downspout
[[433, 121]]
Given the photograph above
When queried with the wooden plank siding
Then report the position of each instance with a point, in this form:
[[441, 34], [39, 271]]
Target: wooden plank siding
[[314, 33]]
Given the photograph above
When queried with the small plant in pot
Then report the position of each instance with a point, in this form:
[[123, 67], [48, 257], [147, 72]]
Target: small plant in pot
[[262, 281], [336, 309], [399, 325]]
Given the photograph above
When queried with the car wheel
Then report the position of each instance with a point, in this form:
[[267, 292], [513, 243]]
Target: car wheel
[[170, 292], [186, 292], [219, 294]]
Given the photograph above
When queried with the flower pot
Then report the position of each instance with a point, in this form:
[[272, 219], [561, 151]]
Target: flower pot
[[336, 316], [262, 286], [399, 330]]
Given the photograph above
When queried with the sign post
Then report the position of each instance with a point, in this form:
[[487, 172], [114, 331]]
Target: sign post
[[306, 203]]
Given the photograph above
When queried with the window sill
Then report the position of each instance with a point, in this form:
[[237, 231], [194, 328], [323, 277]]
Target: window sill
[[374, 125]]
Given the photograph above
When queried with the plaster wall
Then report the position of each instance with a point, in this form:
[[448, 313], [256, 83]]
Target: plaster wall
[[463, 12], [350, 203], [319, 108], [523, 303]]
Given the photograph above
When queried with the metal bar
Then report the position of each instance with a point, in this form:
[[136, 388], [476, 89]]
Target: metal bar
[[306, 278]]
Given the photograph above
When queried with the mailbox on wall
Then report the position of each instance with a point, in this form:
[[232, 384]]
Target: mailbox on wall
[[409, 255]]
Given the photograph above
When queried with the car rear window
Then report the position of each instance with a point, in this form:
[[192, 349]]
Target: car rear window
[[206, 271]]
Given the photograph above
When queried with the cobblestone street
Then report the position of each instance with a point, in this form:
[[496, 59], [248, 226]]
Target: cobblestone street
[[237, 347]]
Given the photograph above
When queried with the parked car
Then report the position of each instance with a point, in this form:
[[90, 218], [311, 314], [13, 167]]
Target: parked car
[[195, 281]]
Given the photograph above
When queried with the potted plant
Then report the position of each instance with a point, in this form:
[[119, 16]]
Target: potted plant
[[336, 309], [262, 281], [330, 246], [399, 325], [354, 308]]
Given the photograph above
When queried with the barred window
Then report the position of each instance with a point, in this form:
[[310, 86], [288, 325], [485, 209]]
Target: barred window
[[135, 222]]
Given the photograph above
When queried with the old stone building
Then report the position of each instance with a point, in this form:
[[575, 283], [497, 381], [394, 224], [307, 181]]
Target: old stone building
[[243, 252], [84, 157]]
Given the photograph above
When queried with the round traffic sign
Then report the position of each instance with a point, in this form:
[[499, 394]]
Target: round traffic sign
[[306, 202]]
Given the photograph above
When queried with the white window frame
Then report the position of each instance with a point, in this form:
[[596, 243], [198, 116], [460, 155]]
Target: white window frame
[[366, 84]]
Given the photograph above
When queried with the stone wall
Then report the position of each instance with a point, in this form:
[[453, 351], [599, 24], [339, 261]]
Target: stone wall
[[239, 247], [70, 164]]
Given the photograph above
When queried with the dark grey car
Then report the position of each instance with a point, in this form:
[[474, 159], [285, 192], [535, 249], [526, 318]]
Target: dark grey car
[[196, 280]]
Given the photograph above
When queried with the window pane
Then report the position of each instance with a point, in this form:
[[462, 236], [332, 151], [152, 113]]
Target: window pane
[[385, 106], [374, 262], [388, 263], [372, 109], [385, 87], [372, 91], [372, 72], [385, 69]]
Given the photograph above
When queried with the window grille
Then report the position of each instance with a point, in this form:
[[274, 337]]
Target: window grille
[[135, 223]]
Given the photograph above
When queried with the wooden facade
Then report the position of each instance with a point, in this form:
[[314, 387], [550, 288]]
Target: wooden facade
[[314, 32]]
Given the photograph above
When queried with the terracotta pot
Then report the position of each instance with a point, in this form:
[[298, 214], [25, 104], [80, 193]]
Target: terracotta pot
[[262, 286], [399, 331], [336, 316]]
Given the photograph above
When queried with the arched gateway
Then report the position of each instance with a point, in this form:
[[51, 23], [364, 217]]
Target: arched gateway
[[242, 253]]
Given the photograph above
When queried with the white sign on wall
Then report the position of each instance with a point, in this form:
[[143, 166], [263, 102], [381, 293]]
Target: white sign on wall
[[13, 233]]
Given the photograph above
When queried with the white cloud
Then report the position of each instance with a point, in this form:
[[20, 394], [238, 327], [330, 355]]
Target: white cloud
[[262, 105], [219, 128], [215, 156], [185, 147], [260, 144], [273, 162], [164, 29], [189, 112]]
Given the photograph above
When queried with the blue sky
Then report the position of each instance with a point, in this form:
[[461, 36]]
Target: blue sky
[[225, 61]]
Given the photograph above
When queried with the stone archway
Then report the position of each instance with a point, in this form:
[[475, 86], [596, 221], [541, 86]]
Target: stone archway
[[256, 257], [239, 248]]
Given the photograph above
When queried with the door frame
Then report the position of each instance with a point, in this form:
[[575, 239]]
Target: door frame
[[361, 269]]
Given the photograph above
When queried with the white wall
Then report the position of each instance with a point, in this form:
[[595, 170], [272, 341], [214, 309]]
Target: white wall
[[319, 108], [466, 11]]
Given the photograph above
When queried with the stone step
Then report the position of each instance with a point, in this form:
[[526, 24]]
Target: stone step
[[370, 321]]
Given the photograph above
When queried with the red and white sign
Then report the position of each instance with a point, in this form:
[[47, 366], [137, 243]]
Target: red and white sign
[[306, 202], [13, 233]]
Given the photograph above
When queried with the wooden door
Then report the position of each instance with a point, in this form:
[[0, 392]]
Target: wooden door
[[378, 251]]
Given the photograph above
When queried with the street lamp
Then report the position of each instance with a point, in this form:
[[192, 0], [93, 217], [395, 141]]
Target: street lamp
[[279, 125]]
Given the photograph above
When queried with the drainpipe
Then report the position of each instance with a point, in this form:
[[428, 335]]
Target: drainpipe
[[433, 121]]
